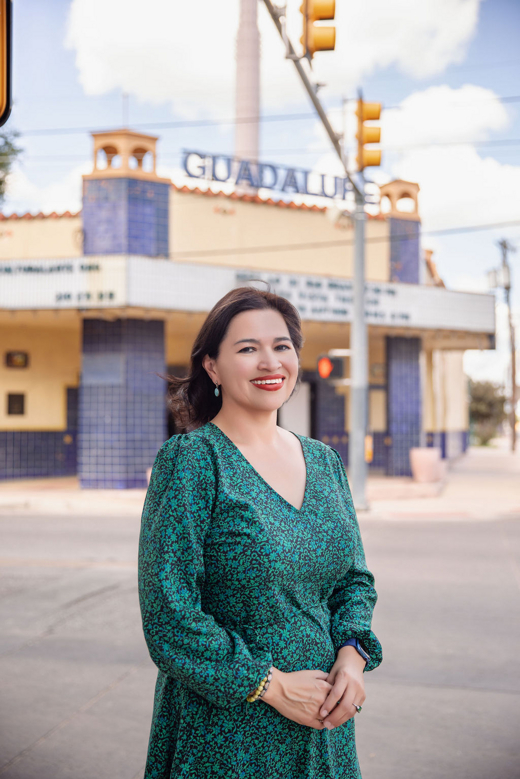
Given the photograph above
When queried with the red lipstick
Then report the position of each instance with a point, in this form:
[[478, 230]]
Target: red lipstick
[[270, 383]]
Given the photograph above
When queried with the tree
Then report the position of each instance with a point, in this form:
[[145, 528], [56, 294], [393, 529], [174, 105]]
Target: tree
[[486, 409], [9, 151]]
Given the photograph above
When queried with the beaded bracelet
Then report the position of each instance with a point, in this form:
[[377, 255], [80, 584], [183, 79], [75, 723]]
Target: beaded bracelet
[[262, 687]]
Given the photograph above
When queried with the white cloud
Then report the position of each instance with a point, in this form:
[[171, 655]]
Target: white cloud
[[439, 114], [184, 53], [59, 195], [460, 185], [494, 365]]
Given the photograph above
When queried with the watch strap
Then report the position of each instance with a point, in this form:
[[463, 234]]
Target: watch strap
[[356, 643]]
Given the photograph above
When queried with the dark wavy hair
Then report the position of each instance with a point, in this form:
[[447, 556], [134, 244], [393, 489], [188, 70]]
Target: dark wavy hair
[[191, 399]]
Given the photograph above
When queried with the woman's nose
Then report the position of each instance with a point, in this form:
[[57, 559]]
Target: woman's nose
[[270, 360]]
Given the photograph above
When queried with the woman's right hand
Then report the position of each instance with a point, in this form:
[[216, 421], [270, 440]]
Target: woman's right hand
[[298, 695]]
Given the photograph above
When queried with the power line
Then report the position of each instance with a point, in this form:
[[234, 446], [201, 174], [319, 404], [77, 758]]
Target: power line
[[506, 142], [174, 125], [220, 122], [329, 244]]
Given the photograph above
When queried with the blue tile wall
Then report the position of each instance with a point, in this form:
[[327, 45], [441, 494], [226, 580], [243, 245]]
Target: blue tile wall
[[437, 438], [404, 250], [125, 216], [29, 454], [380, 452], [328, 422], [122, 402], [451, 443], [404, 406], [328, 415]]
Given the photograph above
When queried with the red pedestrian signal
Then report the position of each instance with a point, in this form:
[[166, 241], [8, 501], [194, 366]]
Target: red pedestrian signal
[[325, 367], [330, 367]]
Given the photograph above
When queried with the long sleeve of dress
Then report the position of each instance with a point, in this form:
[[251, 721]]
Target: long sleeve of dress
[[185, 642], [352, 602]]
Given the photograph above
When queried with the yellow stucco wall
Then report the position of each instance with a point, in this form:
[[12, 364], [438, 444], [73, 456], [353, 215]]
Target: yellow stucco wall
[[219, 230], [54, 365], [446, 405], [222, 231], [37, 238], [457, 409]]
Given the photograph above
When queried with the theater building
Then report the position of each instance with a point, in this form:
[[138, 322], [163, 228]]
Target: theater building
[[93, 305]]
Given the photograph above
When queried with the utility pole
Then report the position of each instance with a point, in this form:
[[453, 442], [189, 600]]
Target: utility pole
[[359, 341], [358, 417], [506, 247]]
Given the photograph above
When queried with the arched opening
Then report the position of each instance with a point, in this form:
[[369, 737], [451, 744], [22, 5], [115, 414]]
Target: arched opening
[[141, 159], [108, 157], [101, 160], [406, 204], [385, 205]]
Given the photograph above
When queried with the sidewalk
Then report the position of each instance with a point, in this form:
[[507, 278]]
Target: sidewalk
[[482, 484]]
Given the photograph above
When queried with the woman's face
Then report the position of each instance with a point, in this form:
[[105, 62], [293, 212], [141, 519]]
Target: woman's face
[[257, 364]]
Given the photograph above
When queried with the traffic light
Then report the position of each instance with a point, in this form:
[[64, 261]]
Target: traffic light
[[367, 112], [330, 367], [5, 60], [316, 38]]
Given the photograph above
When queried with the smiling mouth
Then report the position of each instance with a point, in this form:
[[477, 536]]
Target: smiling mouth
[[267, 381]]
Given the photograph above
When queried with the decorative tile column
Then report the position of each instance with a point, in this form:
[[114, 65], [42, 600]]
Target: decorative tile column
[[328, 411], [405, 229], [125, 205], [122, 416], [125, 216], [404, 410], [404, 250]]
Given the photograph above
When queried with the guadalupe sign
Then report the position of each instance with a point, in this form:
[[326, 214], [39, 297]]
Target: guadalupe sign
[[263, 175]]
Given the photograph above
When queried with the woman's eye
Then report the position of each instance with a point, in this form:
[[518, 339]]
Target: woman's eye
[[280, 346]]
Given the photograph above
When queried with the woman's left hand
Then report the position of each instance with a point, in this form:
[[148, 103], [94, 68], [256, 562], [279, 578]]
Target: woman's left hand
[[348, 687]]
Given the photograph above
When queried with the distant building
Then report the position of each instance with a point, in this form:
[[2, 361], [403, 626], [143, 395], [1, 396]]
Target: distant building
[[94, 304]]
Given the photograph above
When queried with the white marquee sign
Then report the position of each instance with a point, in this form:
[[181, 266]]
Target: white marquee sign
[[127, 281]]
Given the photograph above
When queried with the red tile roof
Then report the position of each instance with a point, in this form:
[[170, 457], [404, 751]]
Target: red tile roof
[[256, 199], [197, 191], [41, 215]]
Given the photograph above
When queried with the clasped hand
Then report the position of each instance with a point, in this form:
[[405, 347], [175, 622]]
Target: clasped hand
[[319, 699]]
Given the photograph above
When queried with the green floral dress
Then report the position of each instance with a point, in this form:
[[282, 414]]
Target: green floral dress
[[234, 579]]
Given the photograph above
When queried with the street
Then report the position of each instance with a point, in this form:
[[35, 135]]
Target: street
[[77, 682]]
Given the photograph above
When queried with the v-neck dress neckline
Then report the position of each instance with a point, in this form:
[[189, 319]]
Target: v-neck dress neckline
[[264, 481]]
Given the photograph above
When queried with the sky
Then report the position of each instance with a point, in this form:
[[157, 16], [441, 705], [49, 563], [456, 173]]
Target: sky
[[446, 72]]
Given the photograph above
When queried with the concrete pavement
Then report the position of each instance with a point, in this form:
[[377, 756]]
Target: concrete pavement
[[77, 682], [482, 484]]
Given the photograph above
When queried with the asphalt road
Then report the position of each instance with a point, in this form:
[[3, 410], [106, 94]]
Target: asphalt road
[[77, 683]]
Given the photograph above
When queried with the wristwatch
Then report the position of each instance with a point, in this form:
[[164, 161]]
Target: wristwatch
[[355, 642]]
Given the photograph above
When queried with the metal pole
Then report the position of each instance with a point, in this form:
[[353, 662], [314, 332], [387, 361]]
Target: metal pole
[[358, 365], [506, 247], [358, 341], [311, 91]]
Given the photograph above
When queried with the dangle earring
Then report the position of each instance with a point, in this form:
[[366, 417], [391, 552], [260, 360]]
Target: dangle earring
[[217, 391]]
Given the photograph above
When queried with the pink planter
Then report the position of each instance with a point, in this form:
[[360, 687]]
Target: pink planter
[[426, 463]]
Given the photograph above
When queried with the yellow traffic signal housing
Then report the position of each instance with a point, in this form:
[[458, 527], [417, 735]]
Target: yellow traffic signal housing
[[315, 37], [5, 60], [367, 112]]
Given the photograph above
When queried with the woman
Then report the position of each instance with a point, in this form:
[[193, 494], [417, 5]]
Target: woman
[[252, 574]]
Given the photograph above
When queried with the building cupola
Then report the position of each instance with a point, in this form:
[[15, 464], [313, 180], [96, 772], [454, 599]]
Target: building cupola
[[125, 202]]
